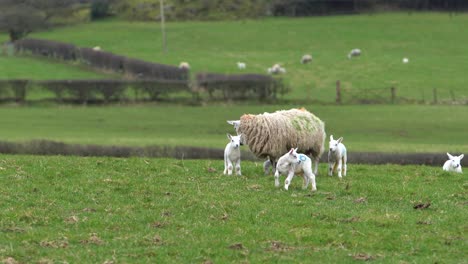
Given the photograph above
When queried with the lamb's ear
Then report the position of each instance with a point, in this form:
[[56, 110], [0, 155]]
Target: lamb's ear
[[331, 137], [461, 156], [340, 140], [230, 122], [291, 151], [295, 150], [450, 156], [229, 136]]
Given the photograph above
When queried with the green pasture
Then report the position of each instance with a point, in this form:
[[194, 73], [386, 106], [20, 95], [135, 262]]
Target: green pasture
[[381, 128], [433, 42], [109, 210]]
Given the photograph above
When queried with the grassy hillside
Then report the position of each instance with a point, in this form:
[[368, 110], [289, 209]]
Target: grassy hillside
[[433, 42], [370, 128], [69, 209]]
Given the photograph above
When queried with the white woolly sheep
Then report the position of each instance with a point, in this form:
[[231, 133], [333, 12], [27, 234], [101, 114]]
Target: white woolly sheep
[[453, 164], [184, 65], [97, 48], [270, 135], [232, 155], [354, 53], [405, 60], [276, 69], [337, 157], [306, 59], [241, 65], [291, 163]]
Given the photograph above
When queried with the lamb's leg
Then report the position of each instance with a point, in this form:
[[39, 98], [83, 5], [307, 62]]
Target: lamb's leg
[[225, 165], [306, 181], [345, 160], [238, 168], [340, 160], [277, 184], [229, 167], [312, 179], [288, 180], [330, 168]]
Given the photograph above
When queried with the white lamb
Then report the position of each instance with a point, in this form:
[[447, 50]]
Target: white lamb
[[306, 59], [241, 65], [291, 163], [354, 53], [276, 69], [453, 164], [184, 65], [97, 48], [232, 155], [337, 157]]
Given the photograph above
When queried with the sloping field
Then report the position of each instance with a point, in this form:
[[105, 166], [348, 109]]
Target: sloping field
[[433, 42]]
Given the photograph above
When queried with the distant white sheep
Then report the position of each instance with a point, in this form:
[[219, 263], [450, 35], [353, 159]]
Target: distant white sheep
[[232, 155], [97, 48], [306, 59], [241, 65], [276, 69], [292, 163], [453, 164], [270, 135], [405, 60], [354, 53], [337, 157], [184, 65]]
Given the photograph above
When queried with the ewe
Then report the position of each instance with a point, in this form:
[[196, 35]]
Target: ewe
[[354, 53], [337, 157], [453, 164], [270, 135], [306, 59], [241, 65], [232, 155], [291, 163], [184, 65]]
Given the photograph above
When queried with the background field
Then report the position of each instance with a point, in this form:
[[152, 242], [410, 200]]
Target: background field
[[434, 43], [57, 209], [411, 128]]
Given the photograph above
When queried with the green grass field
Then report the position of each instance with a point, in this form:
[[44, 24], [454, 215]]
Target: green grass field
[[434, 43], [70, 209], [412, 128]]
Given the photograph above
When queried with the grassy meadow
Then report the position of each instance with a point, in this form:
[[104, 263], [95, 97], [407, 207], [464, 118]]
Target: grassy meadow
[[433, 42], [380, 128], [71, 209]]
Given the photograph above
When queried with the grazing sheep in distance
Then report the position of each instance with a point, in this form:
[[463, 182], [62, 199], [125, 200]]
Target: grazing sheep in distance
[[306, 59], [232, 155], [354, 53], [453, 164], [337, 157], [241, 65], [184, 65], [97, 48], [405, 60], [291, 163], [270, 135], [276, 69]]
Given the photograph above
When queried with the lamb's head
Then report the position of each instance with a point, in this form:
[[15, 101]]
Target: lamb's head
[[292, 156], [236, 124], [334, 143], [455, 160], [235, 140]]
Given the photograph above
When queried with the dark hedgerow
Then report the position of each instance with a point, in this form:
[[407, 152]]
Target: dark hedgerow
[[239, 86], [157, 88], [15, 89], [48, 48], [102, 59], [148, 70]]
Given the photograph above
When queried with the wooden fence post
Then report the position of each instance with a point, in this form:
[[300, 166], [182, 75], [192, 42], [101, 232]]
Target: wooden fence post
[[338, 92], [393, 91]]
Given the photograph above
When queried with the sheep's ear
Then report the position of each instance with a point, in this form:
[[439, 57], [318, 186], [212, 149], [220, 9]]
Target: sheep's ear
[[450, 156], [230, 122], [331, 137], [295, 150], [461, 156], [340, 140], [229, 136], [291, 151]]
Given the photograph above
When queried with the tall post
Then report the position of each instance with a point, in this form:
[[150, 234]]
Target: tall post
[[163, 26]]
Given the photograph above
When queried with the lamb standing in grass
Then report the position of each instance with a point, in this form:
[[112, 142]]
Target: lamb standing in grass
[[241, 65], [270, 135], [354, 53], [337, 157], [453, 164], [306, 59], [232, 155], [291, 163], [184, 65]]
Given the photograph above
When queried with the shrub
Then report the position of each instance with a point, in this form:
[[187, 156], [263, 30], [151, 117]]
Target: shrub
[[147, 70], [99, 9], [47, 48]]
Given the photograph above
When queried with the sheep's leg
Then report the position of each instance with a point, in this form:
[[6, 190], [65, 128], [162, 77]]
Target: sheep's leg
[[288, 180], [312, 180], [238, 168], [316, 164], [340, 161], [277, 184], [225, 165], [273, 166], [331, 165], [230, 167], [305, 181], [344, 165]]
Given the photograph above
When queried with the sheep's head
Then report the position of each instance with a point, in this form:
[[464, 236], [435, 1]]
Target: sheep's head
[[292, 156], [455, 160], [235, 140], [333, 144]]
